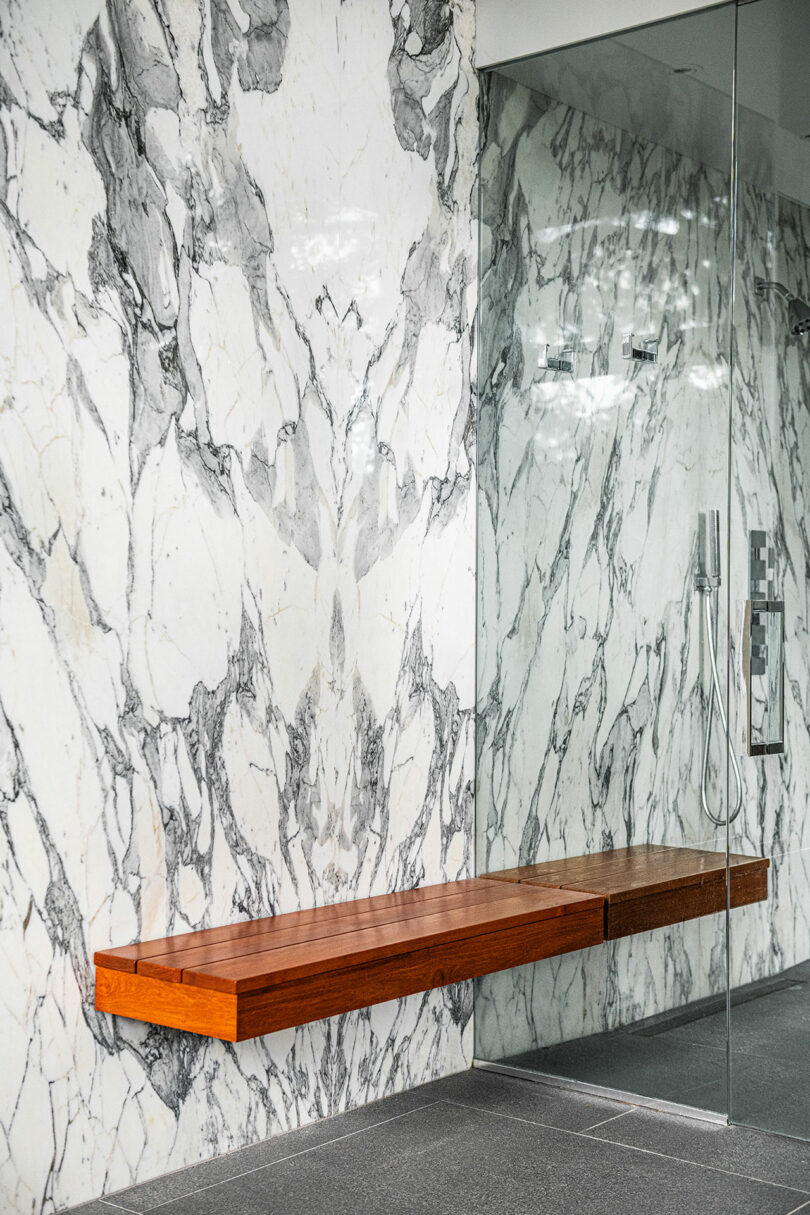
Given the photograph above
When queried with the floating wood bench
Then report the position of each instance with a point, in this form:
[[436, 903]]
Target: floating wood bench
[[252, 978], [650, 885]]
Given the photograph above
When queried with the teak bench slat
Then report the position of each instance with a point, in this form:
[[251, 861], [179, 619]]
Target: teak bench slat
[[287, 970], [126, 957], [171, 966], [254, 977], [268, 968], [650, 885]]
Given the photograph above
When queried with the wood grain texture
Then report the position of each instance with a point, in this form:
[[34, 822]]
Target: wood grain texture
[[651, 885], [341, 991], [175, 1005], [626, 873], [447, 938], [171, 966], [686, 903], [126, 957], [268, 968], [237, 1017]]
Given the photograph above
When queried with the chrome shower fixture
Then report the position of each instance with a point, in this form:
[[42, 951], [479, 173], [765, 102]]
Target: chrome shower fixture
[[707, 584], [798, 311], [798, 316], [561, 359], [707, 575], [639, 350]]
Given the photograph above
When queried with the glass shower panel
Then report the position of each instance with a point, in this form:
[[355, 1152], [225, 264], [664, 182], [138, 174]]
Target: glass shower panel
[[604, 356], [770, 513]]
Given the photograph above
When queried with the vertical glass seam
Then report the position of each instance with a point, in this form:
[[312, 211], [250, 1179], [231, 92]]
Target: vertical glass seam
[[482, 111], [733, 200]]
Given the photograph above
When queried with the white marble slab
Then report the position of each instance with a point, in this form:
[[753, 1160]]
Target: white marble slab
[[592, 665], [236, 541]]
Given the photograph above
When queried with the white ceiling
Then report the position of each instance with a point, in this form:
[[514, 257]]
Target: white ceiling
[[637, 81], [512, 29], [774, 55]]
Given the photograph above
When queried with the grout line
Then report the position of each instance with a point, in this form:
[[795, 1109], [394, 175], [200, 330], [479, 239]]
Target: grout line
[[712, 1168], [547, 1126], [117, 1207], [796, 1210], [280, 1134], [291, 1156], [605, 1121]]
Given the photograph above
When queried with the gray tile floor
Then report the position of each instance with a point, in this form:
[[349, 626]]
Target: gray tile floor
[[480, 1142], [681, 1056]]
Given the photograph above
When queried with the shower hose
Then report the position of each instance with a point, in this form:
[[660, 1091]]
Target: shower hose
[[716, 694]]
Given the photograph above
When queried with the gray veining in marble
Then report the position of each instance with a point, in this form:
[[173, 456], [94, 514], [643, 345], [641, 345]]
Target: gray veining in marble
[[591, 666], [236, 540]]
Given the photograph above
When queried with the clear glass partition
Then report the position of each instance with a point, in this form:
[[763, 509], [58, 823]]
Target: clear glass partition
[[606, 213], [770, 565], [644, 554]]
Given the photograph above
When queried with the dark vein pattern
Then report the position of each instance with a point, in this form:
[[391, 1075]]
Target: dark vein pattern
[[591, 664], [236, 540]]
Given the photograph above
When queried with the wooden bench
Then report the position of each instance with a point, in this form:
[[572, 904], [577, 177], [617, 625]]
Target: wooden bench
[[248, 979], [650, 885]]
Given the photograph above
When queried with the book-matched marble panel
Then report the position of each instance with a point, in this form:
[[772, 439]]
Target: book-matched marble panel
[[236, 541]]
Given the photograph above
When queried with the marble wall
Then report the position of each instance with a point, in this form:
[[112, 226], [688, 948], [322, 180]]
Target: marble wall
[[769, 475], [591, 665], [236, 540]]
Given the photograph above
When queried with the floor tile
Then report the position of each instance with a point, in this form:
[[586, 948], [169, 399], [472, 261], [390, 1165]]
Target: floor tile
[[527, 1099], [733, 1148], [799, 973], [673, 1058], [770, 1094], [648, 1066], [776, 1024], [151, 1194], [96, 1208], [452, 1158]]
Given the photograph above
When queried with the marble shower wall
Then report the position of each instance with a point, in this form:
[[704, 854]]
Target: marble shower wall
[[591, 663], [770, 463], [236, 540]]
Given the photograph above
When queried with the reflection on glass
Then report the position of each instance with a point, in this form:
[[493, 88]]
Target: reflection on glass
[[770, 458], [605, 237]]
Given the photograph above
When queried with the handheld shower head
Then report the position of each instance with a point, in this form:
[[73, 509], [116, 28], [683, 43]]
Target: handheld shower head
[[707, 573]]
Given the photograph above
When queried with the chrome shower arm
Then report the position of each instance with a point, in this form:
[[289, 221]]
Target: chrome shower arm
[[764, 285]]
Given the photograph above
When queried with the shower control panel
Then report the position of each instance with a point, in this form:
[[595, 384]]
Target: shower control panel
[[763, 646]]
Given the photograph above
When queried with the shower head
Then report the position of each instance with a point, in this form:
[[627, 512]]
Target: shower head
[[707, 573], [798, 317], [798, 311]]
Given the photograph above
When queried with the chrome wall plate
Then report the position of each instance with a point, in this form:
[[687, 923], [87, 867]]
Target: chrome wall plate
[[561, 359], [639, 350]]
